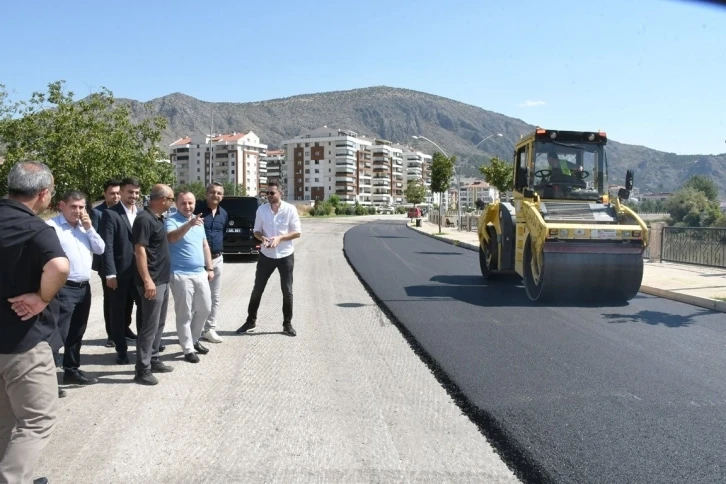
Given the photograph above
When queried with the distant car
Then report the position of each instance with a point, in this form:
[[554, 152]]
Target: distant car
[[239, 232]]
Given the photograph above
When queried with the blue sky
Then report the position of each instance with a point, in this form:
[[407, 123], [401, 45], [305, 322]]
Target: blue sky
[[648, 72]]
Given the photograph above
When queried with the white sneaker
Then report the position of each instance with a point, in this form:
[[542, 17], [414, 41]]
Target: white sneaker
[[211, 336]]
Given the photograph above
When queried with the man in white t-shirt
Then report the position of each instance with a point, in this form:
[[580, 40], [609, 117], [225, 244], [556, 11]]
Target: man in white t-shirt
[[276, 225]]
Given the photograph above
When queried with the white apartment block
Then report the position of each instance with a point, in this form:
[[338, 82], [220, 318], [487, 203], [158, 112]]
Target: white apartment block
[[417, 166], [328, 161], [274, 161], [469, 194], [235, 157]]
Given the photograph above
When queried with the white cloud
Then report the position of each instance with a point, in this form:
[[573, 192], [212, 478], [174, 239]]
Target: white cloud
[[532, 104]]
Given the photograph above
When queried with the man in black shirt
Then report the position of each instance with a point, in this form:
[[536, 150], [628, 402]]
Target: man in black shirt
[[33, 268], [153, 271]]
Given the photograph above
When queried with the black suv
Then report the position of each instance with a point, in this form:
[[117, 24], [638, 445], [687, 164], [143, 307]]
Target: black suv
[[238, 233]]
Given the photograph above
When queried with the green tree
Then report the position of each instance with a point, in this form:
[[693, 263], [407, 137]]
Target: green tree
[[442, 169], [334, 200], [690, 207], [415, 192], [232, 190], [84, 142], [197, 188], [705, 185], [499, 174]]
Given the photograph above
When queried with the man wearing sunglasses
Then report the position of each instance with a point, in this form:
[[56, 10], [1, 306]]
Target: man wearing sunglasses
[[277, 224]]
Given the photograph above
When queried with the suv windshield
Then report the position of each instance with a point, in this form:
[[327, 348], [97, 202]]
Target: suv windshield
[[241, 209], [568, 171]]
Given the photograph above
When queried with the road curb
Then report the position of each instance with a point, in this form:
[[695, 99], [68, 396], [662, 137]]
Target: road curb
[[456, 243], [685, 298], [702, 302]]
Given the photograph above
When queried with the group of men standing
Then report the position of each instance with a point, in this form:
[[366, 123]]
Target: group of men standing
[[141, 256]]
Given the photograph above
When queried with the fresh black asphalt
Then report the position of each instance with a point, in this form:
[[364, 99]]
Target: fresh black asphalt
[[632, 393]]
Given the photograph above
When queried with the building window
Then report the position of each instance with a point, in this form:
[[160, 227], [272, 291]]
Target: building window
[[233, 172], [317, 171], [317, 179], [307, 189]]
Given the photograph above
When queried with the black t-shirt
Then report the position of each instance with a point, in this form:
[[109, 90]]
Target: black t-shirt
[[149, 231], [27, 243]]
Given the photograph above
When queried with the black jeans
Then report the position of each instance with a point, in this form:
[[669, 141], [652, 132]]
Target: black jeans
[[75, 305], [265, 267], [122, 299], [107, 295]]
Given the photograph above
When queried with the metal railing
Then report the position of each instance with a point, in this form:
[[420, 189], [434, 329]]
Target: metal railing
[[694, 245]]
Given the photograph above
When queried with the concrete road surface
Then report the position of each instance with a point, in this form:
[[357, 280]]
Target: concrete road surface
[[347, 401]]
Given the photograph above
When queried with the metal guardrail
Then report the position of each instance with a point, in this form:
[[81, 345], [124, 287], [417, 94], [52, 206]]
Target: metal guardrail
[[694, 245]]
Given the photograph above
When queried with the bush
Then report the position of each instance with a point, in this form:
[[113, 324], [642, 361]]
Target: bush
[[360, 209], [372, 210]]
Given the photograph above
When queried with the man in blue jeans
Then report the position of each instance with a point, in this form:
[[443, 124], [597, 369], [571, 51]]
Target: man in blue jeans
[[277, 224]]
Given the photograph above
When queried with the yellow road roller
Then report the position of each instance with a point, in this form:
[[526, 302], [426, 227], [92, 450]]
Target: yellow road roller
[[561, 231]]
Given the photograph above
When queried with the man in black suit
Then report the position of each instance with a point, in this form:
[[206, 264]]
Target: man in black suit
[[119, 262]]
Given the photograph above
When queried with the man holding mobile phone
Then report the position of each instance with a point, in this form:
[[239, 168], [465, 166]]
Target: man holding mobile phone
[[277, 224]]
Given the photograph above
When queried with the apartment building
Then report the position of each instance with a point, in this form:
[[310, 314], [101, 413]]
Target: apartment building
[[478, 190], [328, 161], [274, 161], [233, 157], [417, 166]]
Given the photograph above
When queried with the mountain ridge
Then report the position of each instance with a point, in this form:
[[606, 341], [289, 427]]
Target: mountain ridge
[[396, 114]]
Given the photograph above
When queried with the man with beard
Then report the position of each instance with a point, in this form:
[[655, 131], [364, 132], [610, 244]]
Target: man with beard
[[215, 220]]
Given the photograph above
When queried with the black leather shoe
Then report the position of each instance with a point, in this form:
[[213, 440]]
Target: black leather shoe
[[41, 480], [288, 329], [191, 358], [248, 327], [144, 377], [122, 359], [61, 393], [79, 377], [162, 348], [110, 343], [200, 348], [130, 334], [159, 367]]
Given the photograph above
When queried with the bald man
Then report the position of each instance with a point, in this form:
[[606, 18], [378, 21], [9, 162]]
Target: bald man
[[152, 281]]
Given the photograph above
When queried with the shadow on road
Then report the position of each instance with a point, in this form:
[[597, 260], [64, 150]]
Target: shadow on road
[[501, 290], [438, 253], [474, 290], [656, 318]]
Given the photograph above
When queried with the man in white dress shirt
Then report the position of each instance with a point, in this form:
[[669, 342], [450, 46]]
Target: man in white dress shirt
[[277, 224], [79, 241]]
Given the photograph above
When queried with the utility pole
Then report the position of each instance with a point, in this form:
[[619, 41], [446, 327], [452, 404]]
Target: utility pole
[[211, 145]]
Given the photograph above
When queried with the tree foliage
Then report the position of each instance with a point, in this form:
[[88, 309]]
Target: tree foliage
[[84, 142], [692, 208], [499, 174], [703, 184], [197, 188], [442, 169], [415, 192], [232, 190]]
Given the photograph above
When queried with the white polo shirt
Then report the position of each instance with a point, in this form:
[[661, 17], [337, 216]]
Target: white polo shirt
[[271, 225]]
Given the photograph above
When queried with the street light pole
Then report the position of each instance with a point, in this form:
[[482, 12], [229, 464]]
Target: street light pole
[[498, 135], [456, 175]]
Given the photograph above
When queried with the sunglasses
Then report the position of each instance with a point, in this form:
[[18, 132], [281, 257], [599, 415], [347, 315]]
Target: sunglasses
[[271, 193]]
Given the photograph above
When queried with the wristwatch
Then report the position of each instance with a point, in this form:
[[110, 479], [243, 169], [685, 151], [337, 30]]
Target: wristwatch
[[208, 269]]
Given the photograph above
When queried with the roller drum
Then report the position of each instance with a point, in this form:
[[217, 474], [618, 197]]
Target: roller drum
[[583, 273]]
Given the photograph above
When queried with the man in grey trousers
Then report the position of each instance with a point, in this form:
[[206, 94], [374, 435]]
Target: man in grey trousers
[[33, 268], [152, 279], [191, 272]]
